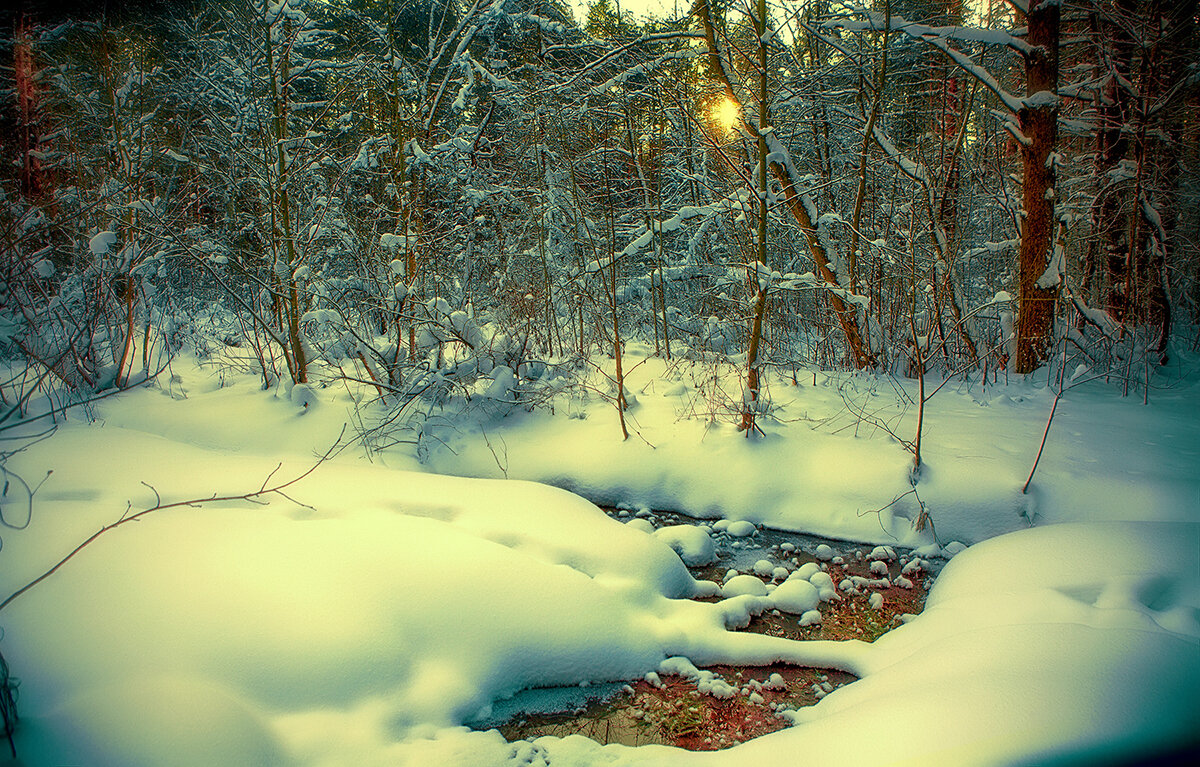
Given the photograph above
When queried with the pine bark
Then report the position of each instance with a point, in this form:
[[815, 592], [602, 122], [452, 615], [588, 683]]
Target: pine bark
[[1038, 119]]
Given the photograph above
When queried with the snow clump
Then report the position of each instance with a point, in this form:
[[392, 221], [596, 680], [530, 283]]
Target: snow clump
[[741, 585], [102, 242], [807, 570], [645, 525], [691, 543], [952, 548], [741, 529], [882, 554], [796, 596]]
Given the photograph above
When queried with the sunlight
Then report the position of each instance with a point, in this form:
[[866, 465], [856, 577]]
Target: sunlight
[[725, 113]]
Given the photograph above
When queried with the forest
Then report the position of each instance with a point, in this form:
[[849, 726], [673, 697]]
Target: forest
[[920, 276]]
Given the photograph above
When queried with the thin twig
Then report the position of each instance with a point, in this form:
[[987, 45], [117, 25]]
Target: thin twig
[[254, 497]]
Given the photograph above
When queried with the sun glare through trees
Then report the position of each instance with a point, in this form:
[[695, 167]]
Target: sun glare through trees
[[395, 267], [726, 114]]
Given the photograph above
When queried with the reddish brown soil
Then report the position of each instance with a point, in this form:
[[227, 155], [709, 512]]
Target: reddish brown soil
[[677, 715]]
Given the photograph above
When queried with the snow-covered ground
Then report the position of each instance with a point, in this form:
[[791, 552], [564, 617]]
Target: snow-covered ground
[[371, 612]]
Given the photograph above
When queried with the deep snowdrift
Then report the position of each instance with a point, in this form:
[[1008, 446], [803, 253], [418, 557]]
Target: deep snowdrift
[[368, 615]]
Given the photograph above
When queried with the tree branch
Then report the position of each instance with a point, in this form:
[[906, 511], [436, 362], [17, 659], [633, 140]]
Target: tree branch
[[253, 496]]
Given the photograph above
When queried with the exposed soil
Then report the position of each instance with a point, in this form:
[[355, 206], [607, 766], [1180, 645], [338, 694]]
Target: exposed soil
[[677, 714]]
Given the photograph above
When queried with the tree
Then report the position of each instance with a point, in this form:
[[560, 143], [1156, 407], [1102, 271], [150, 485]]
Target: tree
[[1037, 278], [797, 200]]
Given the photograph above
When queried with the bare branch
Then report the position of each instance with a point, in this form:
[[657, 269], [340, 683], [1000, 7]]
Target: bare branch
[[255, 496]]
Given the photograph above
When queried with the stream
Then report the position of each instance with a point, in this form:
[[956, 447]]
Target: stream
[[877, 586]]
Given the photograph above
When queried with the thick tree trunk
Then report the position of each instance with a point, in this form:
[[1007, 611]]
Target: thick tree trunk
[[1039, 123], [28, 109]]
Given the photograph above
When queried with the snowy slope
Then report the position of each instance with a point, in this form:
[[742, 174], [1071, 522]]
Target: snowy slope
[[365, 617], [823, 469]]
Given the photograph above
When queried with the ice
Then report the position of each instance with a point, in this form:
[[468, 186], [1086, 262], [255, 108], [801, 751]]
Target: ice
[[824, 552]]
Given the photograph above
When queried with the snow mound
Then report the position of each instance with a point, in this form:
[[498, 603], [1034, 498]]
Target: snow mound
[[692, 543], [795, 596], [740, 585], [741, 529]]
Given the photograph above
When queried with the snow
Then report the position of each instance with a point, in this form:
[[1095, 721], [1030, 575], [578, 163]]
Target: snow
[[740, 529], [378, 608], [691, 542], [744, 585], [102, 242], [882, 554], [795, 596], [939, 37], [764, 567]]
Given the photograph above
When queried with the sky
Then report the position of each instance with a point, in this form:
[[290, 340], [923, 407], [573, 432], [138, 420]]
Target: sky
[[638, 7], [668, 7]]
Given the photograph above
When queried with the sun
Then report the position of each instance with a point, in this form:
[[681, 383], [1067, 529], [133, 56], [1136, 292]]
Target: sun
[[725, 113]]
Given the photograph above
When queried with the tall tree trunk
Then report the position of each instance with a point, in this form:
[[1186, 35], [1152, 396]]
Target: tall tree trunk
[[753, 386], [28, 111], [799, 205], [291, 308], [1112, 112], [1039, 123], [868, 138]]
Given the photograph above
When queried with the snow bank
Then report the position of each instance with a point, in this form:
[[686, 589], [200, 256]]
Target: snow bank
[[1032, 648], [375, 611], [822, 469], [370, 610]]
